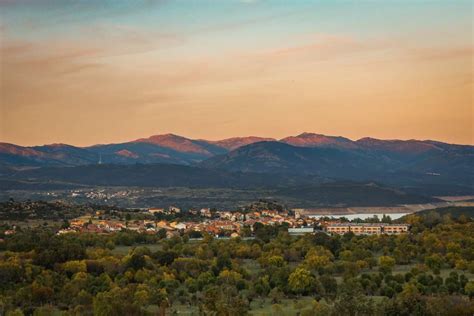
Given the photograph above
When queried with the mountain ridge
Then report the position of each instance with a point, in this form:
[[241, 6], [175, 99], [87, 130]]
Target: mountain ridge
[[322, 155], [431, 164]]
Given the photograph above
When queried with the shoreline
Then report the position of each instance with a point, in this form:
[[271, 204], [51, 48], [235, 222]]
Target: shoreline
[[387, 210]]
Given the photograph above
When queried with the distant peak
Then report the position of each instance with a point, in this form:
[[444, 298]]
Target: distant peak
[[58, 145], [316, 136], [159, 137], [307, 134], [175, 142], [318, 140], [168, 135], [236, 142], [171, 135]]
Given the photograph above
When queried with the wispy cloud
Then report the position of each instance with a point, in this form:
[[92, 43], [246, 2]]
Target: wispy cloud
[[90, 70]]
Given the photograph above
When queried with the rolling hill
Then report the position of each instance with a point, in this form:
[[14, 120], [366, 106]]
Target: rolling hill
[[401, 163], [352, 193], [151, 175], [200, 186]]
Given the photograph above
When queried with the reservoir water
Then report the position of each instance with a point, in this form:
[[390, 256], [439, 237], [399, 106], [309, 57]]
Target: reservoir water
[[361, 215]]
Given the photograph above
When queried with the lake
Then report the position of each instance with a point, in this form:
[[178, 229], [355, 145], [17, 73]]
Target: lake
[[361, 215]]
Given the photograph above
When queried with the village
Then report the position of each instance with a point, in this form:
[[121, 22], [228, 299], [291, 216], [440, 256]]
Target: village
[[223, 224]]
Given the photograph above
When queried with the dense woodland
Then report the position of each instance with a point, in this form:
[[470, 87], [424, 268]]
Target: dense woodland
[[427, 272]]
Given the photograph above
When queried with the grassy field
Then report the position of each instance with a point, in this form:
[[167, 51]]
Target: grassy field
[[285, 307], [123, 250], [258, 307]]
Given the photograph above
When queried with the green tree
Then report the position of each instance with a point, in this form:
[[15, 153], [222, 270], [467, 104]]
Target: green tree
[[161, 233], [300, 281], [434, 262], [224, 300], [15, 312], [315, 261], [386, 263], [351, 301], [469, 289], [116, 302]]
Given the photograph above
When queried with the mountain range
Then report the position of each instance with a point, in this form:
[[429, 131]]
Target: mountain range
[[168, 148], [401, 163]]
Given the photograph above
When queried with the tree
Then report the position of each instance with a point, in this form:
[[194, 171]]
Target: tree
[[316, 262], [115, 302], [276, 261], [222, 262], [276, 295], [449, 305], [190, 266], [329, 284], [351, 301], [318, 308], [408, 302], [300, 281], [11, 273], [386, 264], [74, 266], [350, 269], [136, 261], [346, 255], [469, 289], [434, 262], [161, 233], [15, 312], [224, 300], [41, 294], [262, 286], [142, 295]]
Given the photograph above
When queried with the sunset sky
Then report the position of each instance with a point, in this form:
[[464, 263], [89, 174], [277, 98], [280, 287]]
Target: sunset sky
[[87, 72]]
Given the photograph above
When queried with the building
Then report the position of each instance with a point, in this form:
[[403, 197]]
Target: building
[[174, 210], [395, 229], [301, 230], [367, 228], [156, 210], [237, 217], [298, 212], [205, 212], [178, 226], [224, 215], [270, 213], [337, 228], [224, 225]]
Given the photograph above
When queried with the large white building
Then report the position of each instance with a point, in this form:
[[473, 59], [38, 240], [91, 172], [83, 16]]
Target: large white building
[[301, 230]]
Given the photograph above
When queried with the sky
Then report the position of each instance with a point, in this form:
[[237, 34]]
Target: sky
[[89, 72]]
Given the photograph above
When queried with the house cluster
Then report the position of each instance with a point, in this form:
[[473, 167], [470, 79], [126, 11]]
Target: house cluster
[[216, 223], [226, 223], [366, 229], [92, 225]]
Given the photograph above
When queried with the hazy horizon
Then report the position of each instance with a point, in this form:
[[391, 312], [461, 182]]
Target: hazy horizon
[[85, 73]]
